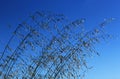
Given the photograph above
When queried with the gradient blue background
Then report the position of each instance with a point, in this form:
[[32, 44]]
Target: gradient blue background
[[106, 66]]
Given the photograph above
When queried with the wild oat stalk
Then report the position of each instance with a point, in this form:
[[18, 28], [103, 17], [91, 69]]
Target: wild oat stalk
[[48, 46]]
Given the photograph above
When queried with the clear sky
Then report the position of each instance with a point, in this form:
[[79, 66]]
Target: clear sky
[[106, 66]]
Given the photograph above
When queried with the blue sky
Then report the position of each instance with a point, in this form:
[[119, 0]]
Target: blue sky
[[106, 66]]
